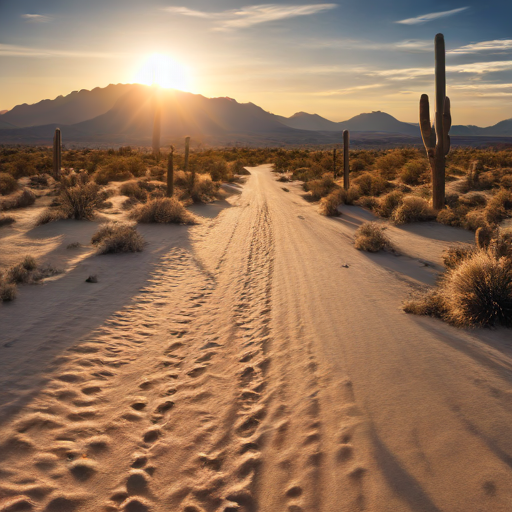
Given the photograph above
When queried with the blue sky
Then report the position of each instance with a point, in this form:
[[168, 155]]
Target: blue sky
[[335, 58]]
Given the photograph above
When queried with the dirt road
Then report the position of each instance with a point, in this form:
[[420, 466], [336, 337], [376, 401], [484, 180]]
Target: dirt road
[[265, 365]]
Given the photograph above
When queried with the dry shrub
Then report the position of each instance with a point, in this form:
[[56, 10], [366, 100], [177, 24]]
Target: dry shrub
[[448, 217], [20, 199], [133, 189], [50, 215], [370, 237], [115, 237], [506, 181], [368, 202], [388, 203], [6, 220], [498, 207], [162, 210], [220, 171], [455, 255], [204, 189], [413, 209], [329, 204], [474, 220], [8, 291], [320, 188], [389, 164], [79, 201], [429, 303], [371, 185], [413, 171], [8, 184], [28, 271]]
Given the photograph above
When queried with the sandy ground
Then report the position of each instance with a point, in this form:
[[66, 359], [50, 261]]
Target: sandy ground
[[255, 362]]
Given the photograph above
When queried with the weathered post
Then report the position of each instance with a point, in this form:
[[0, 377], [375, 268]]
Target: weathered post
[[437, 140], [346, 165], [170, 173], [57, 154]]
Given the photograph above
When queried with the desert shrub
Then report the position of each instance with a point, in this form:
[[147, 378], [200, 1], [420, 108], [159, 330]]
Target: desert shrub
[[387, 204], [320, 188], [6, 220], [448, 217], [115, 171], [50, 215], [498, 207], [413, 209], [371, 185], [389, 164], [79, 202], [412, 172], [357, 164], [204, 189], [368, 202], [474, 220], [329, 204], [452, 200], [219, 171], [453, 256], [40, 180], [506, 181], [237, 167], [132, 189], [20, 199], [8, 291], [27, 271], [430, 303], [115, 237], [182, 179], [353, 194], [7, 184], [162, 210], [370, 237]]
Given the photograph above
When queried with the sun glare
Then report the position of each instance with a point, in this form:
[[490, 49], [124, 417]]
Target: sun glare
[[164, 71]]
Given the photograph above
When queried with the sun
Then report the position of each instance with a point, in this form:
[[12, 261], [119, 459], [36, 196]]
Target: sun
[[162, 70]]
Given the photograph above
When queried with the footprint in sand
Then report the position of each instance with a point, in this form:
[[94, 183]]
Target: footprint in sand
[[152, 435]]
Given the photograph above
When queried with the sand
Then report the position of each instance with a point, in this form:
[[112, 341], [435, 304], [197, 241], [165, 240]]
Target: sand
[[254, 362]]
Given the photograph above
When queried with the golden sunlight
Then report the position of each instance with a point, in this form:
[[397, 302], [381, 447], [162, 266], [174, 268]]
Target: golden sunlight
[[164, 71]]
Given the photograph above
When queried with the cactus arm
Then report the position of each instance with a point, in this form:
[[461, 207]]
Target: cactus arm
[[426, 129], [447, 123]]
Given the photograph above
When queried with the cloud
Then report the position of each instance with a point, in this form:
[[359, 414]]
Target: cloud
[[484, 46], [348, 90], [9, 50], [409, 45], [37, 18], [432, 16], [253, 15]]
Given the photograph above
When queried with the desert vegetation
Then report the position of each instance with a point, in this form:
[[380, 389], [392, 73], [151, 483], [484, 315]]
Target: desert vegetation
[[116, 237], [370, 237]]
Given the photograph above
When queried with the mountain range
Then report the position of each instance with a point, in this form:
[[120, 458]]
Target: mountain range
[[123, 114]]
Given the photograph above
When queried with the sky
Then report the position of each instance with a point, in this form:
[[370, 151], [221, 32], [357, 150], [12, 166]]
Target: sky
[[333, 58]]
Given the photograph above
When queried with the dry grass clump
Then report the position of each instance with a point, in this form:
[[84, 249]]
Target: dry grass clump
[[115, 237], [370, 237], [321, 187], [498, 207], [20, 199], [6, 220], [79, 201], [50, 215], [413, 209], [329, 204], [413, 172], [371, 184], [164, 210], [133, 189], [204, 189], [387, 204], [389, 164], [8, 184], [25, 272], [476, 290]]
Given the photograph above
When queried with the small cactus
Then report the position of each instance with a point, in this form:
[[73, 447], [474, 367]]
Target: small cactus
[[170, 173], [346, 164], [57, 154], [483, 237], [437, 140]]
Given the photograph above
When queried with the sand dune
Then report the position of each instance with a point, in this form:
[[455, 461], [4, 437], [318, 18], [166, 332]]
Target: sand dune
[[255, 362]]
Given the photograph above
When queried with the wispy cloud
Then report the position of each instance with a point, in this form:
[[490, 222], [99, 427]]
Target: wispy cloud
[[409, 45], [432, 16], [252, 15], [9, 50], [348, 90], [497, 45], [36, 18]]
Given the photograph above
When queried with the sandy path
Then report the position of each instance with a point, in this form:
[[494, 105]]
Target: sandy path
[[255, 372]]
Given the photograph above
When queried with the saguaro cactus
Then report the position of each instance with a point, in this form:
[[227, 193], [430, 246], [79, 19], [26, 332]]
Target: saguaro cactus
[[57, 154], [437, 140], [157, 123], [187, 149], [346, 168], [170, 173], [334, 162]]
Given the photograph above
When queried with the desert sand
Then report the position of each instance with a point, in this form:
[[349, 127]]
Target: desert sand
[[254, 362]]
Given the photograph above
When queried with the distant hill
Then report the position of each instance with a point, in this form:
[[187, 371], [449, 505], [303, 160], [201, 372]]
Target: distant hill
[[123, 114], [73, 108], [2, 112]]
